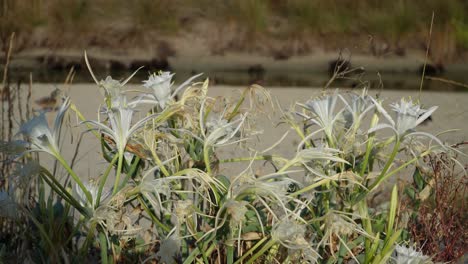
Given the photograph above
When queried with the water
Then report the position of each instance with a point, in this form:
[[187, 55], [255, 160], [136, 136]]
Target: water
[[388, 80]]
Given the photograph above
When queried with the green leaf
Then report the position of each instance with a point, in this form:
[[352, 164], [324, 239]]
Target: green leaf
[[392, 213], [410, 192], [418, 179]]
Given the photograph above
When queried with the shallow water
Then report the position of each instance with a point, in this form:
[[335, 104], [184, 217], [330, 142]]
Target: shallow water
[[389, 80]]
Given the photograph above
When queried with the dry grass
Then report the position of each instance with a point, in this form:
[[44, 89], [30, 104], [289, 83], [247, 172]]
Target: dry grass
[[441, 222]]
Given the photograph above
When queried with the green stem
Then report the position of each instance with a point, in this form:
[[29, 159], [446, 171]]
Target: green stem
[[239, 103], [196, 251], [370, 143], [60, 190], [251, 250], [89, 237], [103, 243], [131, 171], [104, 179], [402, 167], [312, 186], [230, 246], [153, 217], [206, 157], [390, 160], [75, 177], [119, 170], [266, 247], [287, 165], [159, 163], [261, 157]]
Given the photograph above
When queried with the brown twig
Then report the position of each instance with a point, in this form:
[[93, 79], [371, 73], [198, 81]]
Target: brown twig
[[7, 62], [425, 59], [447, 81], [20, 108]]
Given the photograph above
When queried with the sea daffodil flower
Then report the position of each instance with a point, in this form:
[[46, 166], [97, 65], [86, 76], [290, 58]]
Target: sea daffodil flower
[[120, 128], [409, 116], [161, 86], [323, 110], [41, 137]]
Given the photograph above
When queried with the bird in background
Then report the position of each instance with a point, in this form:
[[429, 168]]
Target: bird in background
[[49, 103]]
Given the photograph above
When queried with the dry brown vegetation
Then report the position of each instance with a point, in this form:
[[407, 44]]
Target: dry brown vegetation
[[277, 28]]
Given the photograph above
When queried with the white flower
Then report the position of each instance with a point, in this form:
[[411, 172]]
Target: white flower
[[357, 108], [161, 86], [323, 110], [408, 255], [120, 129], [409, 116], [41, 137], [112, 88]]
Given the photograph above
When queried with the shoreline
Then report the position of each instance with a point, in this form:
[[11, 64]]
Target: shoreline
[[316, 62]]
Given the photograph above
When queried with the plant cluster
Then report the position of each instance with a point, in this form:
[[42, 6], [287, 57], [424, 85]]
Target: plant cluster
[[162, 197], [438, 217]]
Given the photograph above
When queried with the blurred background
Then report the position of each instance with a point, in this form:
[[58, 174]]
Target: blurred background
[[237, 42]]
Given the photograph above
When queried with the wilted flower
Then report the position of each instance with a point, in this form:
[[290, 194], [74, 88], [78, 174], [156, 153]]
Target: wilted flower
[[113, 89], [220, 131], [183, 208], [409, 255], [291, 235], [217, 121], [339, 224], [288, 232], [40, 136], [236, 209], [169, 249]]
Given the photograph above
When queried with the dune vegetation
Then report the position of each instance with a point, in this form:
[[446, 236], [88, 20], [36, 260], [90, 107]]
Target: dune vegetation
[[163, 199], [298, 26]]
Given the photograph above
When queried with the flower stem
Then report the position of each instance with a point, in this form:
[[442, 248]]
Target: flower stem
[[119, 170], [104, 179], [370, 143], [403, 166], [206, 157], [266, 247], [75, 177], [390, 160], [103, 244], [251, 250]]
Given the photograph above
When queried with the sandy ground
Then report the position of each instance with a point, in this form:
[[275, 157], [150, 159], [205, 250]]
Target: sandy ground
[[452, 114]]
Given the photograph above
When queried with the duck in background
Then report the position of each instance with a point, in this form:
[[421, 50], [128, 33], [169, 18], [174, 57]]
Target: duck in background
[[49, 103]]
